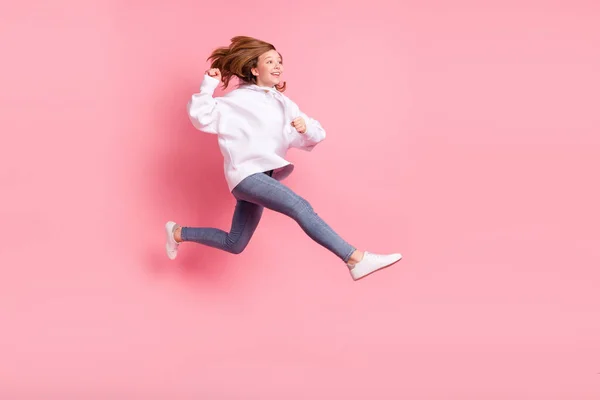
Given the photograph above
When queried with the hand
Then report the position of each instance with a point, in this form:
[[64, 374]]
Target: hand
[[214, 73], [299, 124]]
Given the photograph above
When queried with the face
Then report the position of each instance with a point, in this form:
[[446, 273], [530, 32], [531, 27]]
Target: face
[[269, 69]]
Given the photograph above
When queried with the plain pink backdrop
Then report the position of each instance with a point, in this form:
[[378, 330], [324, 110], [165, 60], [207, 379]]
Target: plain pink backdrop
[[464, 135]]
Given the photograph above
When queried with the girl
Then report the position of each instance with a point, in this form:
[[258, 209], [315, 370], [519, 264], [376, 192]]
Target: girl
[[256, 124]]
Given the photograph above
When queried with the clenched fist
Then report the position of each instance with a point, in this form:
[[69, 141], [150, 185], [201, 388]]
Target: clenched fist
[[214, 73], [299, 124]]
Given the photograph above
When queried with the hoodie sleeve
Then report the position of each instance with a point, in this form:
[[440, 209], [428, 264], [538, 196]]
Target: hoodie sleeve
[[314, 131], [203, 109]]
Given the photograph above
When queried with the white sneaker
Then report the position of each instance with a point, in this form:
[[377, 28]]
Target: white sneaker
[[171, 244], [373, 262]]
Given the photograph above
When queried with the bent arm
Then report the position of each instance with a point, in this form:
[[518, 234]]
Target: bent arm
[[203, 109]]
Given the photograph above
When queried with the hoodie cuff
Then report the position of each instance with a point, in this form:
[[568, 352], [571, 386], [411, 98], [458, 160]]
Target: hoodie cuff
[[209, 84], [310, 128]]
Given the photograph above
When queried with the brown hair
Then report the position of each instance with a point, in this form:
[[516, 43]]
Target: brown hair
[[239, 58]]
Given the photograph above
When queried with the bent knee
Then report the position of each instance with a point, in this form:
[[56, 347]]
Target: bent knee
[[302, 207], [237, 247]]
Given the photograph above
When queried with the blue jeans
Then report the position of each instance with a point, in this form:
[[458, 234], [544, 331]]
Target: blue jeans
[[255, 193]]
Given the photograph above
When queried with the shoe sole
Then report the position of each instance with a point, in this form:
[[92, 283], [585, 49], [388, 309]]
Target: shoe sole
[[377, 270], [167, 233]]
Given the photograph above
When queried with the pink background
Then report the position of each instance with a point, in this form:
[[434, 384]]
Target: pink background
[[463, 135]]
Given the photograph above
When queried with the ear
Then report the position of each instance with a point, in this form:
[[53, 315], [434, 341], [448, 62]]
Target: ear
[[254, 71]]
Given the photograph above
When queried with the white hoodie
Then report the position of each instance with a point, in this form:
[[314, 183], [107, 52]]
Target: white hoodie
[[253, 125]]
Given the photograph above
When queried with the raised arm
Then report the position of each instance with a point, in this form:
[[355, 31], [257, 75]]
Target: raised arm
[[203, 109]]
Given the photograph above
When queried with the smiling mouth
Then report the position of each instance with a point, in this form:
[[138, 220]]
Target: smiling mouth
[[276, 73]]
